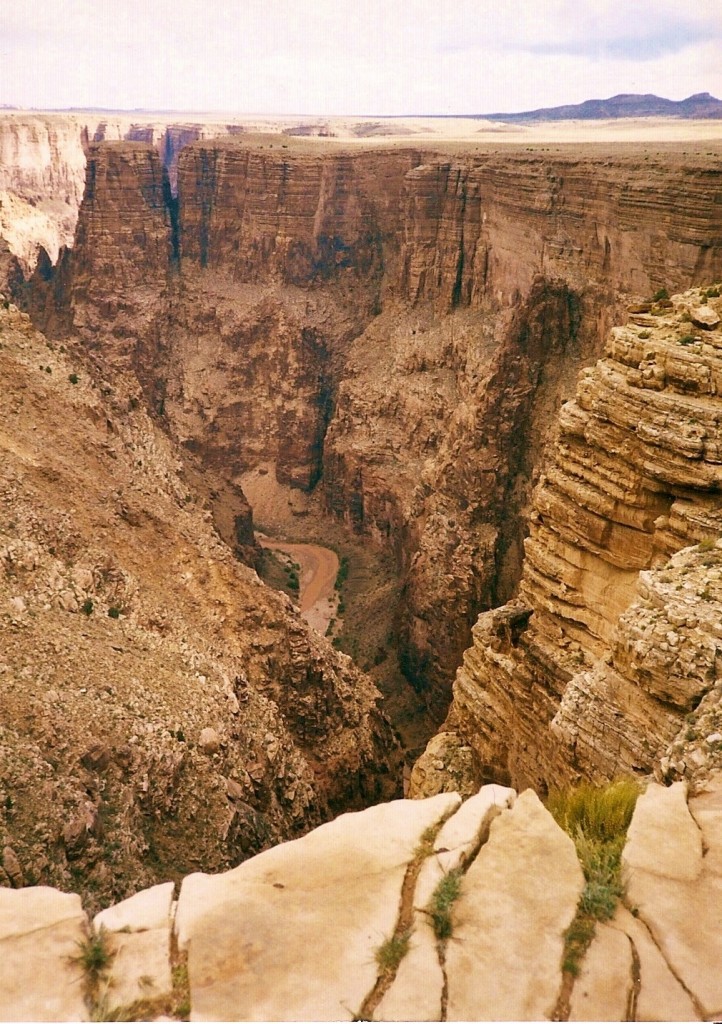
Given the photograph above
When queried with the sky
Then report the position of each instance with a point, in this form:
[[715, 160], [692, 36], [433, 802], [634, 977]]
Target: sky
[[336, 57]]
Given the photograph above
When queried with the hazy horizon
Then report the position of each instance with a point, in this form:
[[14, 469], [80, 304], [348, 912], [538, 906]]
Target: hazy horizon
[[381, 58]]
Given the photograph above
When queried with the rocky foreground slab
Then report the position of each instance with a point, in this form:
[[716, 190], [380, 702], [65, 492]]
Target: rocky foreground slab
[[351, 923]]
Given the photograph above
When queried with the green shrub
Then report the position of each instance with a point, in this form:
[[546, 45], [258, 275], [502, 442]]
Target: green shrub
[[707, 544], [645, 334], [597, 819], [73, 378], [87, 606], [602, 813], [113, 612], [94, 958], [660, 295], [441, 903], [391, 952], [342, 574], [713, 293]]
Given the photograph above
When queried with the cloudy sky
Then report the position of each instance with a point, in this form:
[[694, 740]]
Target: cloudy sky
[[354, 56]]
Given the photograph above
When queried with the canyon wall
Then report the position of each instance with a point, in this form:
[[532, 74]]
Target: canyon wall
[[397, 323], [42, 171], [610, 660], [160, 708]]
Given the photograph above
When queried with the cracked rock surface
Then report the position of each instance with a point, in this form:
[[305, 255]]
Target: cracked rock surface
[[297, 932]]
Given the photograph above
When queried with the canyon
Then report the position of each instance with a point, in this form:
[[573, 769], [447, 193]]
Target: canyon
[[394, 327], [441, 358]]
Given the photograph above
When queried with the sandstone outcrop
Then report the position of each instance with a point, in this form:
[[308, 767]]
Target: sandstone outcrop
[[336, 925], [609, 660], [160, 706]]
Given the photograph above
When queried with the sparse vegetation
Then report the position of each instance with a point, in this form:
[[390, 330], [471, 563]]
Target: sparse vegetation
[[597, 819], [707, 544], [113, 612], [441, 904], [687, 339], [94, 959], [73, 378], [645, 334], [660, 295], [392, 951], [342, 574], [87, 606], [713, 293], [425, 845]]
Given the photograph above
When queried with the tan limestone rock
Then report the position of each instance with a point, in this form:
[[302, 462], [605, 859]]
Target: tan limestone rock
[[660, 996], [678, 891], [41, 931], [139, 937], [663, 838], [704, 317], [518, 898], [140, 967], [460, 837], [148, 909], [292, 933], [416, 991], [603, 988]]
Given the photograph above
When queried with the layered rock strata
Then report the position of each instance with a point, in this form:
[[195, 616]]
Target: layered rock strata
[[160, 706], [609, 661], [356, 318], [336, 925]]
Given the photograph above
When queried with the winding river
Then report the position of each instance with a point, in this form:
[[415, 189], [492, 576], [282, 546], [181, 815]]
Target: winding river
[[317, 577]]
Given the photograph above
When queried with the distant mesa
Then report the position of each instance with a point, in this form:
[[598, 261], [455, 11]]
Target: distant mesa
[[701, 105]]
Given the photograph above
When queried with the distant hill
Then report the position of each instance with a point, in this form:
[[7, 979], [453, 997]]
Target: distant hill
[[701, 105]]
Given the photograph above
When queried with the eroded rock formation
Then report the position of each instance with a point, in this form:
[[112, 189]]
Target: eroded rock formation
[[609, 661], [160, 706]]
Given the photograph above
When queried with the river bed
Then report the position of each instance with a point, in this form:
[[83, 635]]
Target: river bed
[[317, 598]]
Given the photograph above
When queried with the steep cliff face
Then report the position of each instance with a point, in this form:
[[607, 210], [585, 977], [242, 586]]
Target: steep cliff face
[[160, 707], [612, 648], [397, 324], [439, 428], [481, 230], [42, 173]]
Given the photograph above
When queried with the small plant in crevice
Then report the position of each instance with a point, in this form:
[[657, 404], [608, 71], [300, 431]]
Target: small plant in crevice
[[597, 819], [442, 902], [87, 606], [94, 959], [392, 951], [425, 845]]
